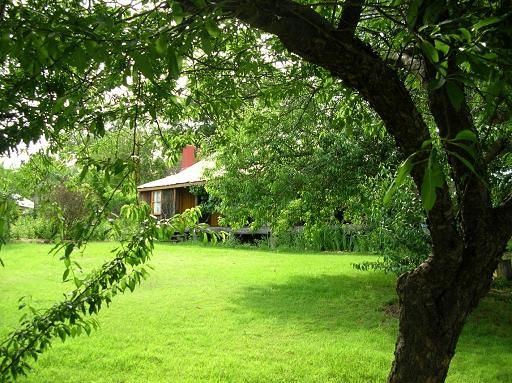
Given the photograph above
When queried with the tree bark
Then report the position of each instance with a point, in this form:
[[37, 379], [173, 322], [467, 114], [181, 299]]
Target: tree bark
[[435, 307], [436, 298]]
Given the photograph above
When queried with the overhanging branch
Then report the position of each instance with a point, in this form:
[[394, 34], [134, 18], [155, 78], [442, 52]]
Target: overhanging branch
[[350, 16]]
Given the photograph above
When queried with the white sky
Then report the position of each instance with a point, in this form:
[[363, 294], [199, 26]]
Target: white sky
[[22, 153]]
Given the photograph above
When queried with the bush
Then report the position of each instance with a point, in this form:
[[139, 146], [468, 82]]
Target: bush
[[29, 227], [319, 237]]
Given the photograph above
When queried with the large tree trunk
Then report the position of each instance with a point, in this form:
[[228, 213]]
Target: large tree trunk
[[435, 302], [426, 340]]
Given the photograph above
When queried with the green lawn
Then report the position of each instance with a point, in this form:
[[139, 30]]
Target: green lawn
[[228, 315]]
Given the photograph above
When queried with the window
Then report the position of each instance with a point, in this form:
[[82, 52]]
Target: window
[[157, 202]]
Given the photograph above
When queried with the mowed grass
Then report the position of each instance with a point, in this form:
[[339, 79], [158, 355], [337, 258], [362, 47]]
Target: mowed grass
[[229, 315]]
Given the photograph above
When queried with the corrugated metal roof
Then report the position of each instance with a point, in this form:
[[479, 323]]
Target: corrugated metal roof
[[189, 176]]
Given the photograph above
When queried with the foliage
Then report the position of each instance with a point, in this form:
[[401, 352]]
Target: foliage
[[207, 203], [30, 227], [320, 237], [397, 231], [269, 178], [71, 204], [8, 207], [333, 184], [8, 212]]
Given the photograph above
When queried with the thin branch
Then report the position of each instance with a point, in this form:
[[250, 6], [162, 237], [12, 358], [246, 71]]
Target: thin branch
[[501, 145]]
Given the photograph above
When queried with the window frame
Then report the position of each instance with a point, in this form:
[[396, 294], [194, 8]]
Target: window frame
[[156, 202]]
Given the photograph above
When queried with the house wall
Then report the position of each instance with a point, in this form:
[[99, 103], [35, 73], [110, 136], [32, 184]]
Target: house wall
[[176, 201], [214, 219], [167, 202], [186, 199], [145, 196], [168, 206]]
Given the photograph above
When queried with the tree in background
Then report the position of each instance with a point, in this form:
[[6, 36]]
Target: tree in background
[[313, 162], [8, 207], [435, 73], [63, 194]]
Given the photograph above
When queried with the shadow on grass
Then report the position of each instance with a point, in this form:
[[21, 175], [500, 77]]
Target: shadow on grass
[[330, 302], [324, 302]]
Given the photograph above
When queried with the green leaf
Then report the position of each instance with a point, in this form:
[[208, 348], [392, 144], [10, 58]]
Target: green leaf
[[172, 63], [432, 179], [69, 249], [212, 28], [442, 47], [99, 125], [65, 275], [403, 171], [79, 58], [206, 44], [470, 166], [469, 149], [131, 284], [486, 22], [62, 334], [455, 94], [83, 173], [429, 51], [143, 63], [161, 44], [465, 134], [466, 34], [436, 83], [59, 104], [177, 13], [426, 144]]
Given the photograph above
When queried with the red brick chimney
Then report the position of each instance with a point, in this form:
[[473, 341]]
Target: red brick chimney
[[188, 156]]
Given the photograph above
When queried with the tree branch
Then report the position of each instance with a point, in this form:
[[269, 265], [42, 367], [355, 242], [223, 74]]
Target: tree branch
[[501, 145], [350, 16], [472, 192]]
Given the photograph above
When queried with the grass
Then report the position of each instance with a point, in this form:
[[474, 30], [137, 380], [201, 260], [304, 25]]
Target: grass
[[234, 315]]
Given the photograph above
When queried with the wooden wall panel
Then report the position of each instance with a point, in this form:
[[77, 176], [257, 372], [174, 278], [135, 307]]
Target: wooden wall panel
[[145, 196], [187, 199], [214, 219]]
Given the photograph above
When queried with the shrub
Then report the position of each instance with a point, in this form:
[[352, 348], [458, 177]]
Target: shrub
[[319, 237], [29, 227]]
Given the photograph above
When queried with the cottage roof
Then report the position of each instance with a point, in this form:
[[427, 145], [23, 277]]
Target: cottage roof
[[23, 202], [192, 175]]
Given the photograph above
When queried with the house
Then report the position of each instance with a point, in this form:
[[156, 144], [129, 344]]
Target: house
[[171, 195]]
